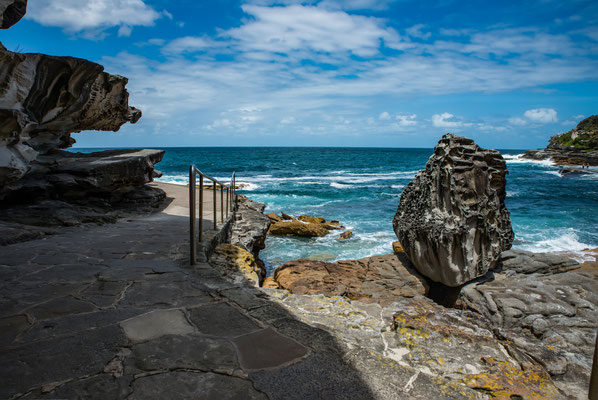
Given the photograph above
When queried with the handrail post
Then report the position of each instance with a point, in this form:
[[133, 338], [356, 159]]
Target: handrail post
[[222, 203], [200, 223], [227, 201], [215, 214], [593, 393], [192, 243]]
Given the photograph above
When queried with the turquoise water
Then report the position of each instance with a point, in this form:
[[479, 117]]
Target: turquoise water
[[361, 188]]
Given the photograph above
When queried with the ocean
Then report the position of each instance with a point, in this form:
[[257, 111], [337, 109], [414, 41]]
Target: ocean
[[361, 188]]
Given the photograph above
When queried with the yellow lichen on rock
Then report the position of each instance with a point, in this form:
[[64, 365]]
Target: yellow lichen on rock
[[236, 262], [397, 247], [506, 381]]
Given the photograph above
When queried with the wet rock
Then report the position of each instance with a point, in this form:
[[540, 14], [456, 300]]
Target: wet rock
[[452, 220], [297, 228], [345, 235], [11, 12], [379, 279], [303, 225], [238, 265]]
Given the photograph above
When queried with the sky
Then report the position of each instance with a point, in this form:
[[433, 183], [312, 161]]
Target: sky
[[379, 73]]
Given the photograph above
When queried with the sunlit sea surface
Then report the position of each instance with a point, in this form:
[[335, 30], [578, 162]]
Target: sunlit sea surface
[[361, 188]]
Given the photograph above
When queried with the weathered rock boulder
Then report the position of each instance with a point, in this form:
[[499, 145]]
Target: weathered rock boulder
[[11, 12], [250, 229], [452, 220], [377, 279], [43, 99]]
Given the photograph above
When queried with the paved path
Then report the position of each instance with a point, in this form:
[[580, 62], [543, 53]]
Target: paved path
[[115, 311]]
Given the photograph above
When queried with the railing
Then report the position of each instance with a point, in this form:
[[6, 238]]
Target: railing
[[231, 196]]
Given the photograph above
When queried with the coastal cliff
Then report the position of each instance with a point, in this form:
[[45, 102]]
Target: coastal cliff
[[579, 146]]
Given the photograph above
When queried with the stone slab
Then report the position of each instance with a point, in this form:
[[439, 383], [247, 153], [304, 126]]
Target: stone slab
[[221, 319], [268, 349], [157, 323]]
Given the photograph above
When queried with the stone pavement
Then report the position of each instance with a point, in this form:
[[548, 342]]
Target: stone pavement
[[115, 311]]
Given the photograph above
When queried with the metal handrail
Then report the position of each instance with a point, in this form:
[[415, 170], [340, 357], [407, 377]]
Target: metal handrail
[[230, 205]]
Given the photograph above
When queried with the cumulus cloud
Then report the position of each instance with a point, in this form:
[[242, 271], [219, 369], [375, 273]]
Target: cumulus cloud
[[541, 115], [446, 120], [384, 116], [93, 15], [406, 120]]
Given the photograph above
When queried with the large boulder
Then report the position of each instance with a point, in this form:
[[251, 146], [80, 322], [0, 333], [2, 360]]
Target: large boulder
[[452, 220]]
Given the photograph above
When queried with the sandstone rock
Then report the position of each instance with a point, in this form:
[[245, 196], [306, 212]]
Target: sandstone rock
[[397, 247], [237, 264], [11, 12], [269, 282], [379, 279], [321, 256], [297, 228], [250, 227], [345, 235], [273, 217], [313, 220], [45, 99], [452, 220], [304, 225]]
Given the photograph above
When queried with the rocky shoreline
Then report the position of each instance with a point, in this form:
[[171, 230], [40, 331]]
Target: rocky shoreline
[[576, 147]]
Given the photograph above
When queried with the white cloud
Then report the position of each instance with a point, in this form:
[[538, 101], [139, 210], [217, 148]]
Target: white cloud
[[446, 120], [541, 115], [406, 120], [287, 120], [92, 15], [517, 121], [187, 44], [416, 31], [384, 116], [298, 28]]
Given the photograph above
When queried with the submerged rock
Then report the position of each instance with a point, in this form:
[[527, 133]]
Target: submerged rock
[[345, 235], [452, 220]]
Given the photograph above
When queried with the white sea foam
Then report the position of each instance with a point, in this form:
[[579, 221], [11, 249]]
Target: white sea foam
[[567, 242], [340, 185], [556, 173], [518, 159], [175, 179], [397, 186]]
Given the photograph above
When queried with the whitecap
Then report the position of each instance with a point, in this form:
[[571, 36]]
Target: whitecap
[[518, 159], [567, 242], [340, 185], [397, 186]]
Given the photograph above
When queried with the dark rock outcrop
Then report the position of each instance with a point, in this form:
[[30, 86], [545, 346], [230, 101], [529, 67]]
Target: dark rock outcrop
[[11, 12], [579, 146], [452, 220], [377, 279], [46, 98]]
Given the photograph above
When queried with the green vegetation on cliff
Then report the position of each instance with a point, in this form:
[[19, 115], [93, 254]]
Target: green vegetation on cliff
[[583, 137]]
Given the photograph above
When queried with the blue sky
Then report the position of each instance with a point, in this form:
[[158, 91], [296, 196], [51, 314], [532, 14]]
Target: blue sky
[[329, 72]]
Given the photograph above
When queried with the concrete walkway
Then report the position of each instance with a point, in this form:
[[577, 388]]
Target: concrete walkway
[[115, 311]]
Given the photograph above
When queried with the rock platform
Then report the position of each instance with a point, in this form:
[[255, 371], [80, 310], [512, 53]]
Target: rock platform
[[115, 311]]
